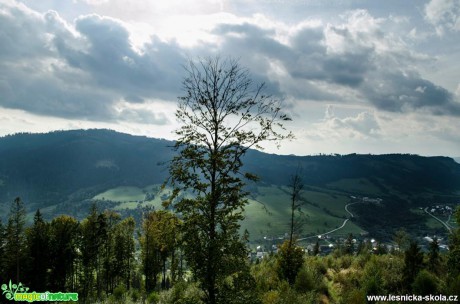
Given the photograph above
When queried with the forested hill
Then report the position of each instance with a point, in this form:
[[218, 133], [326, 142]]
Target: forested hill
[[50, 168]]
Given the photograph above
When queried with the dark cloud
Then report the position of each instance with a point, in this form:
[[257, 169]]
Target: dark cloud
[[396, 91], [113, 63], [83, 70], [383, 79], [50, 69]]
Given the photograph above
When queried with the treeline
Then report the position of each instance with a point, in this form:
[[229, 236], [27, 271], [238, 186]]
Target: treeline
[[90, 257], [106, 260]]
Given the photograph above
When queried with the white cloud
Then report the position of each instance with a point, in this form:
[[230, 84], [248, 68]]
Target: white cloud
[[444, 15], [363, 126]]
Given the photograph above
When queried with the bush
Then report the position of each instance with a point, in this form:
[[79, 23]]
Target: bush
[[290, 259], [119, 293], [425, 283], [153, 298], [182, 293], [266, 275], [305, 281], [135, 295], [346, 261], [355, 296]]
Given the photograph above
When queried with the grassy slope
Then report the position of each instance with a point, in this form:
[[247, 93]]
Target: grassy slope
[[267, 213]]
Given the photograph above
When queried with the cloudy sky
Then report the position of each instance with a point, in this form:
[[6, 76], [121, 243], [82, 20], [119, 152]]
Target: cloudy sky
[[355, 76]]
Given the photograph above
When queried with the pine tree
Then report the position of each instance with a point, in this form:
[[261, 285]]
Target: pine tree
[[433, 256], [2, 252], [453, 258], [413, 262], [123, 235], [38, 241], [91, 243], [64, 235], [15, 247], [349, 247]]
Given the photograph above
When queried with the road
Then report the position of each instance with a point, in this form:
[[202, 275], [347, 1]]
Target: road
[[333, 230], [439, 220]]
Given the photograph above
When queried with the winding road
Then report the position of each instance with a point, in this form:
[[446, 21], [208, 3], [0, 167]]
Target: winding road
[[448, 227], [333, 230]]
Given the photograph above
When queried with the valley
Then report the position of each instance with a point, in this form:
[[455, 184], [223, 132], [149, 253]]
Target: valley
[[66, 172]]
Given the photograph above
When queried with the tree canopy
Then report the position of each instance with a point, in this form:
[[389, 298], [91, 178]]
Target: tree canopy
[[223, 114]]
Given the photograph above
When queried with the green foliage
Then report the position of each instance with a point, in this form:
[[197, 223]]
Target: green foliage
[[425, 283], [413, 262], [38, 241], [2, 250], [287, 295], [349, 247], [342, 279], [305, 281], [383, 274], [222, 116], [119, 293], [433, 257], [120, 260], [64, 236], [402, 240], [15, 247], [265, 274], [153, 298], [159, 239], [290, 260], [182, 293], [354, 296], [240, 288], [135, 295]]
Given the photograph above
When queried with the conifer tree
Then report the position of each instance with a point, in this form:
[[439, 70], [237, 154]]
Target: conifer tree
[[433, 256], [64, 236], [38, 240], [413, 262], [2, 252], [124, 251], [15, 246]]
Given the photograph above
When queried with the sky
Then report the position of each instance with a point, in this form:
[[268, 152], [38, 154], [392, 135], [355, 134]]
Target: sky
[[355, 76]]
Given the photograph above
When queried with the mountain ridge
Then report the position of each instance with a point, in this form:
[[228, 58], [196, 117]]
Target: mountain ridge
[[62, 166]]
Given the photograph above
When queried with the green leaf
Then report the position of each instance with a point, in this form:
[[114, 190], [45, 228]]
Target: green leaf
[[4, 287]]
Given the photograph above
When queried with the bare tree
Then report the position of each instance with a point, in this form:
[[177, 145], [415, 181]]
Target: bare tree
[[296, 185]]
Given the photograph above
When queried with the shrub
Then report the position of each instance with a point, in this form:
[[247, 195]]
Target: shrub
[[425, 283], [119, 293], [182, 293], [135, 295], [354, 296], [290, 259], [305, 281], [153, 298]]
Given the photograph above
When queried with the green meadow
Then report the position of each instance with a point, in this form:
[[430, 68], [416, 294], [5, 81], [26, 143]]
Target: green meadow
[[267, 213]]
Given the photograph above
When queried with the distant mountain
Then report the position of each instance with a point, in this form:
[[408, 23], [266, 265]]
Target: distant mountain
[[67, 166], [457, 159], [71, 165]]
